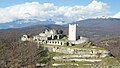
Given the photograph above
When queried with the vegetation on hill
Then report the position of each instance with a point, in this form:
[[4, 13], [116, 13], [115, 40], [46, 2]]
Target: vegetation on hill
[[22, 54], [111, 44]]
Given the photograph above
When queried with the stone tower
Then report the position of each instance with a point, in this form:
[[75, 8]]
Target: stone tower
[[73, 32]]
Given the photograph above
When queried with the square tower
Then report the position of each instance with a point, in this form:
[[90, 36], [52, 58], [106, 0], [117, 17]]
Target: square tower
[[73, 32]]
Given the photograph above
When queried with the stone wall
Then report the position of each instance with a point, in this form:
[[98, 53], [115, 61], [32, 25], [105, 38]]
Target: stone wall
[[78, 51]]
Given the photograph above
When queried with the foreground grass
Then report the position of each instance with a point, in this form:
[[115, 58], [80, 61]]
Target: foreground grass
[[52, 54], [107, 63], [110, 61]]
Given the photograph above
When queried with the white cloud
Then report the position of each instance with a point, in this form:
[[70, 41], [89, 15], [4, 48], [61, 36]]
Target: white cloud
[[50, 11], [117, 15]]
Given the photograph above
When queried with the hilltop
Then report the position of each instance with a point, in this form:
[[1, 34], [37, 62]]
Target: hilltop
[[96, 29], [92, 28]]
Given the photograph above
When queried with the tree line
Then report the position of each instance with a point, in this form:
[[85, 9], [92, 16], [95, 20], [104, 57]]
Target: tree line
[[23, 54]]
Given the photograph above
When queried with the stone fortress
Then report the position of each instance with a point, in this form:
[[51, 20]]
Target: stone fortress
[[74, 48], [53, 37]]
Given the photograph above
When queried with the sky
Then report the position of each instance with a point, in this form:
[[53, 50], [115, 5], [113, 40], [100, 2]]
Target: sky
[[58, 10]]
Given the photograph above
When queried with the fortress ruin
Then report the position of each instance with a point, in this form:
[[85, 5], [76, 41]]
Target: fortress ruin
[[53, 37]]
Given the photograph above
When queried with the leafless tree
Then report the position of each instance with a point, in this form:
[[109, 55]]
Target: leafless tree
[[22, 54]]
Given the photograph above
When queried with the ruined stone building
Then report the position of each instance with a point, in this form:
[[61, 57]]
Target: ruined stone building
[[52, 37]]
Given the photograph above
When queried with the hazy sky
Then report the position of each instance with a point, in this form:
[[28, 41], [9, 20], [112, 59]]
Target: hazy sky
[[72, 10]]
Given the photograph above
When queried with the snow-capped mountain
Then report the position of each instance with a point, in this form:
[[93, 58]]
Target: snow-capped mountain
[[24, 23]]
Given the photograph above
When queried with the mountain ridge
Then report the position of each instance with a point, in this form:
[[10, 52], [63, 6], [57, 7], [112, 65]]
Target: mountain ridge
[[19, 23], [91, 28]]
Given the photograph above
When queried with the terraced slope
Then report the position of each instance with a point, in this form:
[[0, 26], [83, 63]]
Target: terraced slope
[[81, 57]]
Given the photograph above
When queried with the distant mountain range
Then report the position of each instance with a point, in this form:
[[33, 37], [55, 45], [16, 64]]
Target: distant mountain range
[[111, 23], [24, 23], [94, 29]]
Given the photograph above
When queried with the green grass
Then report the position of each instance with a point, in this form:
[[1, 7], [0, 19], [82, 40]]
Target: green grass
[[75, 62], [108, 62], [84, 47], [65, 66], [111, 61], [72, 64], [56, 54]]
